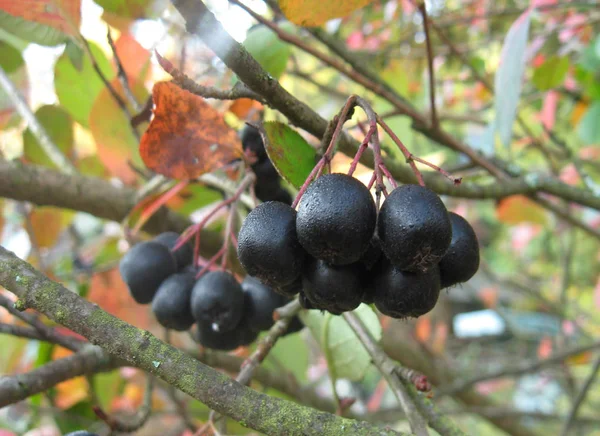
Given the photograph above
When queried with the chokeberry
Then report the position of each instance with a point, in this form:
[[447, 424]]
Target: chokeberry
[[171, 304], [414, 228], [260, 303], [403, 294], [183, 255], [251, 140], [291, 289], [336, 289], [268, 247], [304, 302], [144, 267], [218, 340], [218, 300], [461, 261], [336, 219]]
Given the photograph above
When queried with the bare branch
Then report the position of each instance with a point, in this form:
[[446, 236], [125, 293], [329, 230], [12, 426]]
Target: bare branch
[[581, 397]]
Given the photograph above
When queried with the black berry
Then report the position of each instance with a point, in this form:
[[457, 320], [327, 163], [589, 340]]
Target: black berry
[[461, 261], [144, 267], [290, 290], [184, 255], [268, 247], [333, 288], [414, 228], [260, 303], [295, 326], [252, 141], [336, 219], [218, 301], [402, 294], [171, 304]]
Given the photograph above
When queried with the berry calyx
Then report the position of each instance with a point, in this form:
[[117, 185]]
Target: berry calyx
[[268, 247], [461, 261], [414, 228], [218, 300], [336, 219], [144, 267]]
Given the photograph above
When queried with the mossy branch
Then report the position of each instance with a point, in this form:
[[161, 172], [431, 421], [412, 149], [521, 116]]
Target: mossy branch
[[272, 416]]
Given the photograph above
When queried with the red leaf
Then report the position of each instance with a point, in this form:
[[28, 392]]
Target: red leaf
[[186, 137], [64, 15], [548, 113]]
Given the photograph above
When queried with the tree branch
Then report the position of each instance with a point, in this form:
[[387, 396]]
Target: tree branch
[[143, 350], [581, 397], [18, 387]]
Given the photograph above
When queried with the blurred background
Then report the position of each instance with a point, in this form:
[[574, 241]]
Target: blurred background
[[519, 82]]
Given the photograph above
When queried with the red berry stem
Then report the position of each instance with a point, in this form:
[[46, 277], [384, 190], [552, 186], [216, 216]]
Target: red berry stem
[[363, 146], [455, 180], [213, 260], [157, 204], [313, 175], [407, 154], [389, 176]]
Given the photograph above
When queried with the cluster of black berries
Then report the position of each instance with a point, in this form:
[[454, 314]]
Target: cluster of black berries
[[227, 314], [268, 183], [337, 252]]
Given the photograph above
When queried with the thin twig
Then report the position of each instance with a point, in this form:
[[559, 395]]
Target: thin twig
[[50, 148], [122, 75], [581, 397], [46, 333], [434, 118], [387, 369]]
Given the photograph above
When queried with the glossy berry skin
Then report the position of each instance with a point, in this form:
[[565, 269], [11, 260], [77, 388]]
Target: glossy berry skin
[[336, 219], [144, 267], [461, 262], [290, 290], [218, 300], [268, 248], [81, 433], [171, 304], [260, 302], [251, 140], [404, 294], [336, 289], [414, 228], [184, 255]]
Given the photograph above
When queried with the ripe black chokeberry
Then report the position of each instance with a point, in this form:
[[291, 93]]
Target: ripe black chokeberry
[[268, 247], [370, 257], [461, 261], [171, 304], [336, 289], [336, 219], [218, 301], [251, 140], [402, 294], [290, 290], [414, 228], [260, 303], [144, 267], [183, 255], [225, 341]]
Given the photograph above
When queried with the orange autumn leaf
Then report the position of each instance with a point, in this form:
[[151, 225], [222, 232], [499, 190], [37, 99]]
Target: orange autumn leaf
[[423, 329], [133, 56], [245, 107], [64, 15], [186, 137], [518, 209]]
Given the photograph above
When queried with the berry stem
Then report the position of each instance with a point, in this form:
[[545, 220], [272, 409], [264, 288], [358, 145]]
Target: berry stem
[[363, 146], [285, 315], [407, 154], [455, 180], [211, 262], [342, 117], [389, 176], [313, 174]]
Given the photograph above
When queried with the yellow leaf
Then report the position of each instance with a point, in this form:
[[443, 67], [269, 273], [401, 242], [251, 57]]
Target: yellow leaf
[[578, 111], [519, 209], [310, 13]]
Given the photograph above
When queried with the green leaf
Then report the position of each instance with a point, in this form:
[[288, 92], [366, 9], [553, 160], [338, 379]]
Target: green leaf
[[347, 356], [291, 353], [589, 126], [270, 52], [125, 8], [31, 31], [59, 126], [590, 56], [291, 155], [12, 62], [509, 77], [551, 73], [78, 88], [76, 54]]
